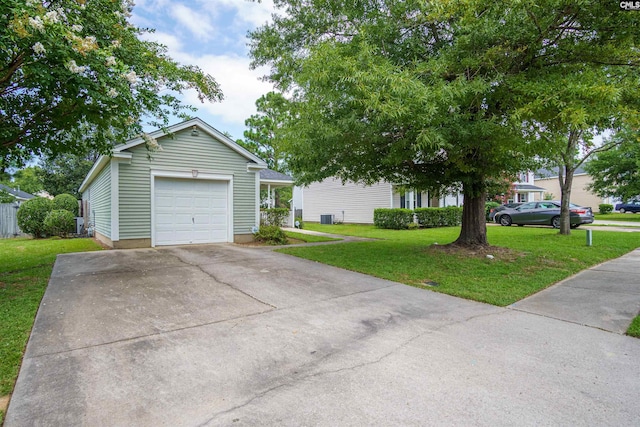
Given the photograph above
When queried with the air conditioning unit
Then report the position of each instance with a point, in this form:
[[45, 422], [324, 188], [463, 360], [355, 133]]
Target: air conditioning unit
[[326, 219]]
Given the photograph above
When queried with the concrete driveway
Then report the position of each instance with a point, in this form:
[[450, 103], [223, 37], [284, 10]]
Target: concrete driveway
[[226, 335]]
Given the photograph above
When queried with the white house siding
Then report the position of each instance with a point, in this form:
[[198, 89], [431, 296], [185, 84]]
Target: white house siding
[[183, 152], [352, 203], [99, 198]]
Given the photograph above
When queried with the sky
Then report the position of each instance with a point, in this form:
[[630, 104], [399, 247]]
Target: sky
[[212, 34]]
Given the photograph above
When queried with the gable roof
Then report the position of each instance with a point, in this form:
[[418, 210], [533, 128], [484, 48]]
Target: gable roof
[[553, 173], [18, 194], [120, 150]]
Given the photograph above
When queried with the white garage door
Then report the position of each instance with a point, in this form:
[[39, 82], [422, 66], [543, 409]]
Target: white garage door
[[190, 211]]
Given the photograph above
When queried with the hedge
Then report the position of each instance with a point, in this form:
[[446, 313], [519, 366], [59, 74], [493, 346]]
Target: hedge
[[395, 219], [439, 217], [59, 222], [605, 208]]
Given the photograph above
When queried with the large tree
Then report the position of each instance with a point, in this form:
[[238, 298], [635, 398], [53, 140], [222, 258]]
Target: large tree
[[64, 173], [28, 179], [428, 94], [616, 172], [264, 134], [69, 68]]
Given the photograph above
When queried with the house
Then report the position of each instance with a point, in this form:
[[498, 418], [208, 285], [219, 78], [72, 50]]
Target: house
[[354, 203], [20, 196], [189, 184], [548, 179], [525, 189]]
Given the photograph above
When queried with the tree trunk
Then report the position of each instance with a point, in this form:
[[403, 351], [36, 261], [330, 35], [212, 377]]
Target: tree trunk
[[474, 224], [565, 190]]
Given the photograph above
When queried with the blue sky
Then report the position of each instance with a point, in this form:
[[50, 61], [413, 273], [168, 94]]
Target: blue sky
[[212, 35]]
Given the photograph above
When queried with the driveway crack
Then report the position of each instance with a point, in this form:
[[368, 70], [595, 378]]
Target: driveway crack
[[295, 377]]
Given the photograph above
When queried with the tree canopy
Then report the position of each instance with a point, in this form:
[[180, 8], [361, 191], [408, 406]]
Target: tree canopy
[[437, 94], [76, 73], [616, 172], [64, 173], [264, 136]]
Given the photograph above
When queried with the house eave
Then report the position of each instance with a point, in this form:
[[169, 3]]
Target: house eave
[[100, 164], [214, 133]]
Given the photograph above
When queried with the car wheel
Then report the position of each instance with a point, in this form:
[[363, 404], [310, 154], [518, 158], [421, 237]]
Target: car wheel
[[505, 220], [622, 210], [555, 222], [575, 225]]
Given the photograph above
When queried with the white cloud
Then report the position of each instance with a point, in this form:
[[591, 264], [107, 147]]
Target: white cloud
[[197, 23], [223, 23], [240, 85]]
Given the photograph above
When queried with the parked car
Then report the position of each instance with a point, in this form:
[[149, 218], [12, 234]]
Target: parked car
[[494, 211], [546, 212], [632, 206]]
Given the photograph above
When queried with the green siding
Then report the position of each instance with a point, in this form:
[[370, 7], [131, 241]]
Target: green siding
[[182, 152], [100, 201]]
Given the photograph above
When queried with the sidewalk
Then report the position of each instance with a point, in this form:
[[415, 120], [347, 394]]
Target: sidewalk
[[606, 296]]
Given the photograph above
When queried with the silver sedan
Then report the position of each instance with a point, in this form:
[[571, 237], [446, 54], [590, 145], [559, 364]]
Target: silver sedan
[[546, 212]]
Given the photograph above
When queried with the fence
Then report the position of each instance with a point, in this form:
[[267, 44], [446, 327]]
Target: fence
[[9, 221]]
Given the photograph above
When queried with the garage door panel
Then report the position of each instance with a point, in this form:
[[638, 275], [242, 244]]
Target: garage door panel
[[190, 211]]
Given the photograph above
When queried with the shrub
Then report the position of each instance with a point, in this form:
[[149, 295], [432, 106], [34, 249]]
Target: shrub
[[300, 222], [31, 216], [59, 222], [395, 219], [274, 216], [66, 202], [271, 235], [605, 208], [439, 217]]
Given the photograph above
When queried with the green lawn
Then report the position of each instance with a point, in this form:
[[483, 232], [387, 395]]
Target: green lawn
[[619, 217], [24, 273], [309, 238], [525, 259]]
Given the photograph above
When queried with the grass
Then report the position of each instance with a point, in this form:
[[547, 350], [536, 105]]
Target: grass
[[309, 238], [526, 259], [634, 328], [24, 273], [619, 217]]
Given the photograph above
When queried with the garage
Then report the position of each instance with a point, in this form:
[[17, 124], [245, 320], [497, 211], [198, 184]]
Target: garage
[[190, 211], [193, 185]]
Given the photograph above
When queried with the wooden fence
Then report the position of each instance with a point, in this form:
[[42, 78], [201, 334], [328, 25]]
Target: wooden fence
[[9, 221]]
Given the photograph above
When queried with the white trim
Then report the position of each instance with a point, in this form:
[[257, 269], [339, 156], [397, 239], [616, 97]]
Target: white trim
[[257, 198], [391, 193], [100, 164], [187, 174], [275, 182], [115, 201]]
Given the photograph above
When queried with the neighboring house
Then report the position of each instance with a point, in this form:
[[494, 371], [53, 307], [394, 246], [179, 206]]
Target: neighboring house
[[20, 196], [548, 179], [525, 190], [200, 187], [354, 203]]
